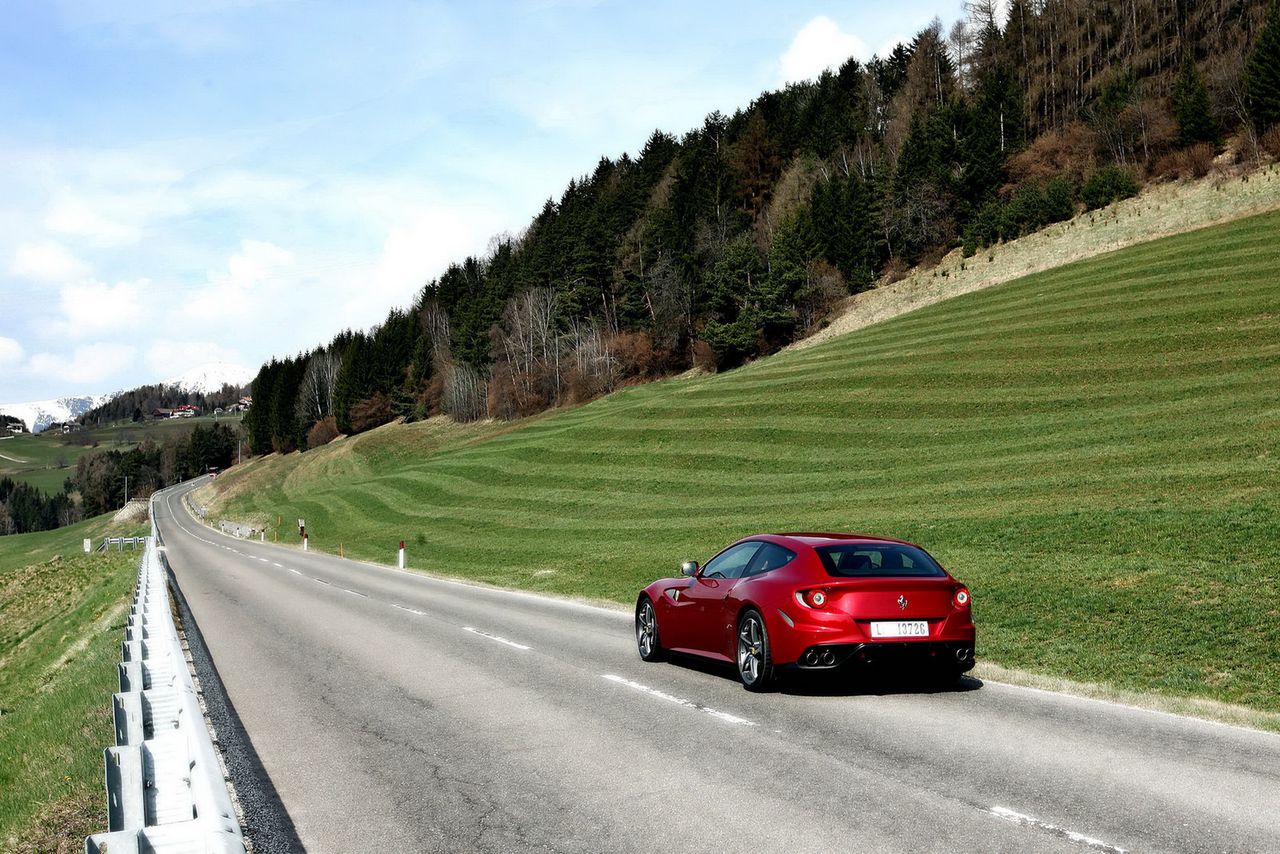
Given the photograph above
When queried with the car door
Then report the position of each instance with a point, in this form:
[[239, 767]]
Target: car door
[[704, 598], [768, 557]]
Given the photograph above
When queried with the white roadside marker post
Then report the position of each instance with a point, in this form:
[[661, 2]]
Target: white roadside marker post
[[305, 539], [401, 560]]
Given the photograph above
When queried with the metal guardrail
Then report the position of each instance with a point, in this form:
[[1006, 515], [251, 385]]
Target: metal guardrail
[[165, 788], [121, 542]]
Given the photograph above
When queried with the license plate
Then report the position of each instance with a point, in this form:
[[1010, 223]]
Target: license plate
[[900, 629]]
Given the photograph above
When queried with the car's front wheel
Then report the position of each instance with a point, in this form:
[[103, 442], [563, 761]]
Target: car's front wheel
[[647, 640], [755, 664]]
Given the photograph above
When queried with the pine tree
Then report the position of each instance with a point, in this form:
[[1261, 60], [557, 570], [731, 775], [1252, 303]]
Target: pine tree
[[1262, 72], [1191, 106]]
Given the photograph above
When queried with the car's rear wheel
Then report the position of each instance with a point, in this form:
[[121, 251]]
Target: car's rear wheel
[[647, 640], [755, 664]]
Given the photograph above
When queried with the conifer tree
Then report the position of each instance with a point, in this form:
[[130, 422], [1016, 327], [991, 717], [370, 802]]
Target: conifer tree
[[1262, 72], [1191, 106]]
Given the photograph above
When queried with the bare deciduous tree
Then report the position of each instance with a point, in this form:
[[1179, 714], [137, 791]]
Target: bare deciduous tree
[[315, 395]]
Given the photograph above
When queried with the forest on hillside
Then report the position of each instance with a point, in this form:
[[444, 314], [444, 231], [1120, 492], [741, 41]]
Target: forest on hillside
[[736, 238]]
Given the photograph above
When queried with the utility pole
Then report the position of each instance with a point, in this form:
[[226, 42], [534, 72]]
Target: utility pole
[[126, 490]]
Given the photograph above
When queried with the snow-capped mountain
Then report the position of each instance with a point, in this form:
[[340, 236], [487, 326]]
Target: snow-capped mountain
[[210, 377], [39, 414]]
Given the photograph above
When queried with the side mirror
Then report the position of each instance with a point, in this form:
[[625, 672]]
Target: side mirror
[[689, 568]]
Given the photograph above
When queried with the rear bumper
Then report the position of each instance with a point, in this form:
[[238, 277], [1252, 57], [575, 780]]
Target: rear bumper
[[793, 635], [956, 656]]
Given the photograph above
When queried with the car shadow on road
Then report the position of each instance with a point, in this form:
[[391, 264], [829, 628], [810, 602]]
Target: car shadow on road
[[841, 682]]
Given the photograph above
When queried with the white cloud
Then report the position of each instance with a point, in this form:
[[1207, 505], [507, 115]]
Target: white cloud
[[90, 363], [819, 45], [75, 217], [258, 268], [168, 357], [91, 308], [11, 353], [47, 261]]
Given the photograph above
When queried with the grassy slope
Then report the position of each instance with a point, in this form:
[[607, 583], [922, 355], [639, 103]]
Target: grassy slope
[[1092, 448], [62, 616]]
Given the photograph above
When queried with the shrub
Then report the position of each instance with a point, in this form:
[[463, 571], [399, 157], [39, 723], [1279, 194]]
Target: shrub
[[635, 354], [703, 357], [1059, 200], [1199, 159], [1107, 185], [1270, 141], [322, 432], [370, 412]]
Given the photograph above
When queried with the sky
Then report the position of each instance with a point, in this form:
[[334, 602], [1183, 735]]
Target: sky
[[199, 180]]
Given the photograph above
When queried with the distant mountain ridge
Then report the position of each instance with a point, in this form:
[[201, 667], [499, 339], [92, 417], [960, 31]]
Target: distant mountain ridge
[[211, 377], [39, 414], [206, 379]]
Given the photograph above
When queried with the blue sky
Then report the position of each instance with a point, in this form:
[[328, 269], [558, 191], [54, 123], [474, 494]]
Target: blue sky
[[222, 179]]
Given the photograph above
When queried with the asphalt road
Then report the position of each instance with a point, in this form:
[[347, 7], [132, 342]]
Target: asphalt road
[[395, 712]]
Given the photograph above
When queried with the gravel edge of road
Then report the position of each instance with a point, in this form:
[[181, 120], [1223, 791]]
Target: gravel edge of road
[[267, 826]]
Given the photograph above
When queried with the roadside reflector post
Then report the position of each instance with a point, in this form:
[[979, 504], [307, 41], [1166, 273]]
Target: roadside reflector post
[[401, 562], [305, 538], [262, 536], [88, 546]]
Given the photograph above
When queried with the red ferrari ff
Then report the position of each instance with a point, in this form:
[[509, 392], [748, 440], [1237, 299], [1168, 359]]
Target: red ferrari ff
[[812, 602]]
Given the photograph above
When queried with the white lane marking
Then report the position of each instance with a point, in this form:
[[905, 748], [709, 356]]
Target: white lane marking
[[679, 701], [1031, 821], [264, 560], [410, 610], [278, 565], [321, 580], [295, 571], [356, 593], [495, 638]]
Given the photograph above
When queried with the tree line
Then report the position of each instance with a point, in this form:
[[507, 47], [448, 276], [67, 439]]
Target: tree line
[[736, 238], [98, 484]]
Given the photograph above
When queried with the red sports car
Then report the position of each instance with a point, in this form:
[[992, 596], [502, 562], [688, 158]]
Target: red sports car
[[812, 602]]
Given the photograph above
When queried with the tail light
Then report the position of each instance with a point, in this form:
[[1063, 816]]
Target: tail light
[[812, 598], [961, 597]]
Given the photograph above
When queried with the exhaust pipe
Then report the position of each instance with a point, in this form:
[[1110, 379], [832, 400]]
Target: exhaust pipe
[[811, 658], [963, 654], [828, 658]]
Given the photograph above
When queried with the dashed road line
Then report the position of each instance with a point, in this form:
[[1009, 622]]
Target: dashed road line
[[356, 593], [277, 565], [1031, 821], [495, 638], [679, 701], [321, 580], [410, 610], [295, 571]]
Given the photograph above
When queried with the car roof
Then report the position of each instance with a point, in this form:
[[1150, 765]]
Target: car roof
[[828, 538]]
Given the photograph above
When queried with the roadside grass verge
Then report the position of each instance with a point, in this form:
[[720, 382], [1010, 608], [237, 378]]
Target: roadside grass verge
[[62, 616], [1094, 449]]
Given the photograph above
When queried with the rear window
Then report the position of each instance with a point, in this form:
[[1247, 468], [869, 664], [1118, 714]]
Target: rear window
[[878, 560]]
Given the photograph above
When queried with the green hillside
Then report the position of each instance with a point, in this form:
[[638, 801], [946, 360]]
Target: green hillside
[[1093, 449], [62, 616]]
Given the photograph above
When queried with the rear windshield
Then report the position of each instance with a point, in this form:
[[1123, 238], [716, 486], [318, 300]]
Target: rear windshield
[[891, 560]]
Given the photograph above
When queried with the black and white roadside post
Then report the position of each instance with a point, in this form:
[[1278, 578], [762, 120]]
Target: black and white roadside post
[[400, 562]]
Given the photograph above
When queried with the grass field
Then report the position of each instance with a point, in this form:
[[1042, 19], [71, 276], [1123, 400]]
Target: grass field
[[1094, 449], [62, 616], [45, 460]]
